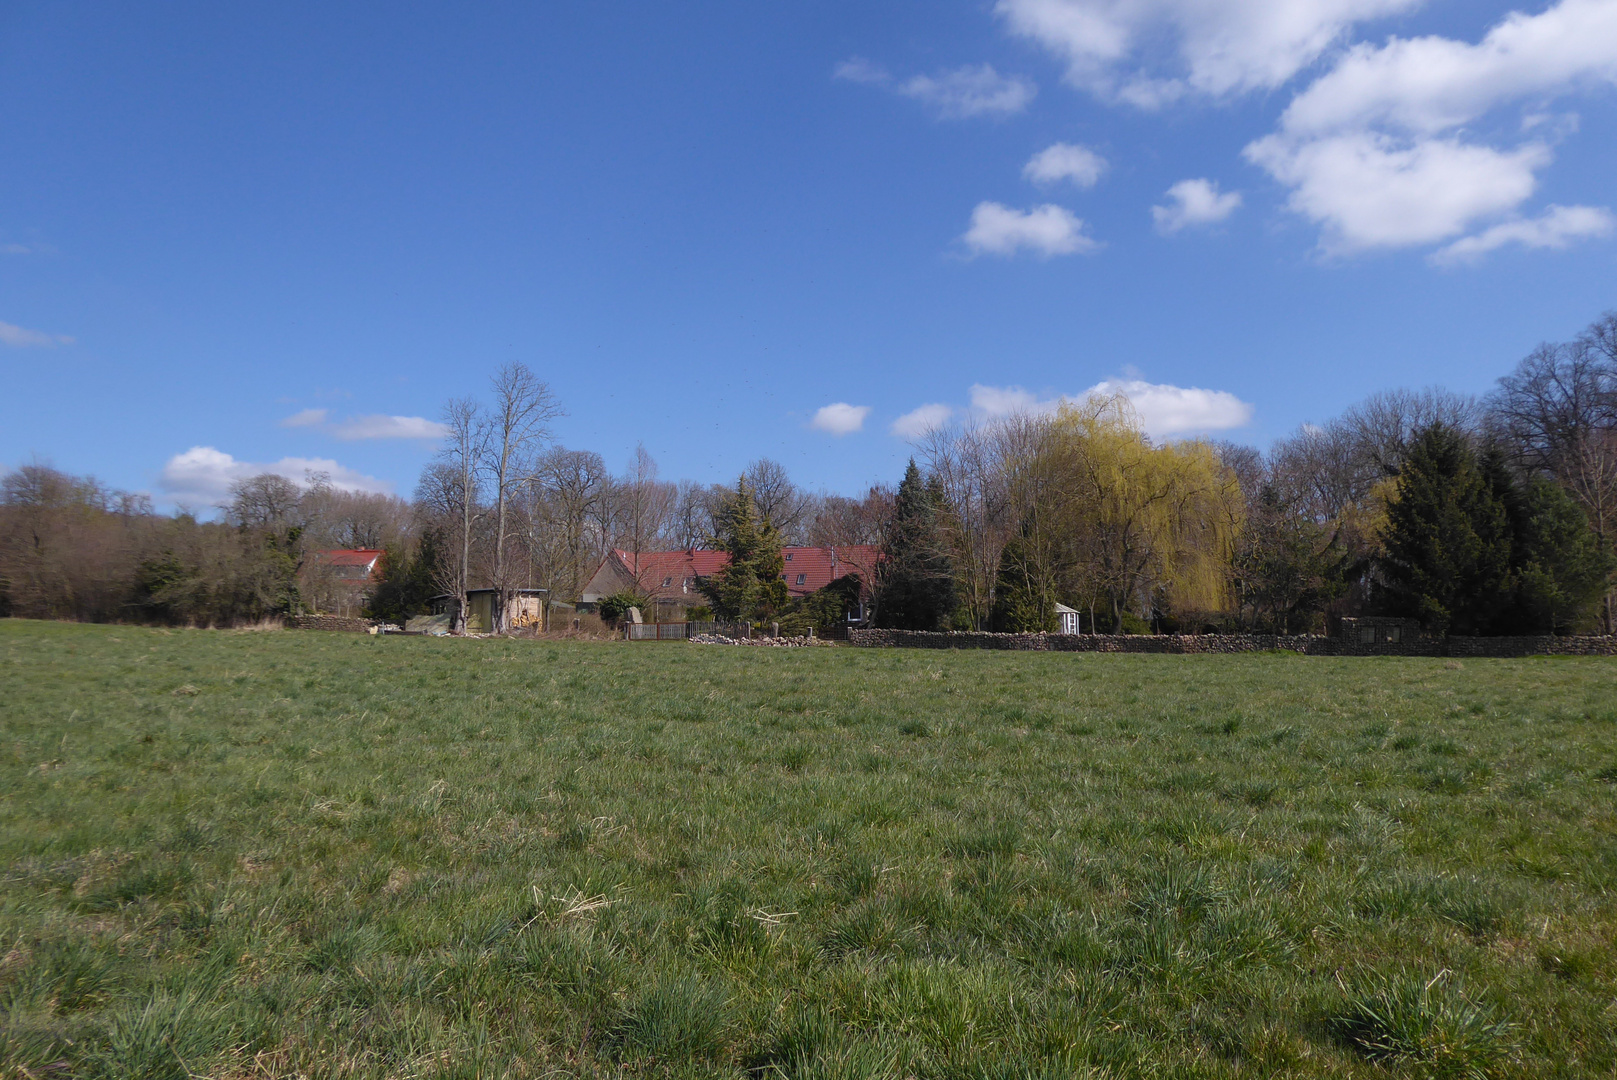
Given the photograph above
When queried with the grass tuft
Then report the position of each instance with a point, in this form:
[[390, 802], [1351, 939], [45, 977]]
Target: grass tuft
[[1428, 1027]]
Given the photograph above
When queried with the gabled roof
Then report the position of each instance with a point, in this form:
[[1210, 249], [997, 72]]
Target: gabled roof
[[365, 557], [820, 566]]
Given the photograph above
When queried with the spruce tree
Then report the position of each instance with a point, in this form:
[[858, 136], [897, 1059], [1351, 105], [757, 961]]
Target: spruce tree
[[1562, 568], [915, 587], [1020, 605], [1448, 542], [751, 585]]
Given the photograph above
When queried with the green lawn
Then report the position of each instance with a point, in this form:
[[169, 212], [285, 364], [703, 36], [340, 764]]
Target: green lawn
[[299, 854]]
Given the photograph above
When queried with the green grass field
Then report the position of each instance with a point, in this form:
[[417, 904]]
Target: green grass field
[[285, 854]]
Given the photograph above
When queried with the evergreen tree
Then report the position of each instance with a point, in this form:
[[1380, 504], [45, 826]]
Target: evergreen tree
[[1448, 541], [407, 581], [753, 585], [915, 586], [1563, 570], [1021, 606]]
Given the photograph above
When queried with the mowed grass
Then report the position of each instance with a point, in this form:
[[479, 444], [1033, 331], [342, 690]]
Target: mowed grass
[[300, 854]]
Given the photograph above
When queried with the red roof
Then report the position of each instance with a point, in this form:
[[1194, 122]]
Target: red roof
[[674, 574], [364, 557]]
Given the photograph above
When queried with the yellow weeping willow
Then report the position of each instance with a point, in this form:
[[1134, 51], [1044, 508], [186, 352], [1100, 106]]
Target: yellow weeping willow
[[1110, 518]]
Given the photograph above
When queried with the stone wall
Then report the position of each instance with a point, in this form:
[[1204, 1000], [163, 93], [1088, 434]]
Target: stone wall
[[329, 622], [1236, 643]]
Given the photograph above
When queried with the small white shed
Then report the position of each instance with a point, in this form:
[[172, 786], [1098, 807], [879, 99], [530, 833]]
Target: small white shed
[[1068, 618]]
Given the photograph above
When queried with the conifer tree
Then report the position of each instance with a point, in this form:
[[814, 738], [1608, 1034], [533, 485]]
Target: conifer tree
[[1563, 570], [1448, 539], [915, 586], [1022, 601], [752, 585]]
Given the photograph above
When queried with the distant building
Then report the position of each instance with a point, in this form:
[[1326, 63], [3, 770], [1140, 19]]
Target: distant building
[[1069, 620], [672, 578], [340, 582], [524, 609]]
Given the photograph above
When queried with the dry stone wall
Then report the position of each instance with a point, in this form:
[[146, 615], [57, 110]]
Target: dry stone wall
[[329, 622], [1312, 645]]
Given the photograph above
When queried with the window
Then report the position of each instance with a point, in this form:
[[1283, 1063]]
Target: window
[[1367, 636], [788, 556], [1395, 634], [802, 579], [667, 581]]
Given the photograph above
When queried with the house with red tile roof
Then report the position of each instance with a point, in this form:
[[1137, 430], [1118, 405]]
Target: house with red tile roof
[[672, 578], [340, 582]]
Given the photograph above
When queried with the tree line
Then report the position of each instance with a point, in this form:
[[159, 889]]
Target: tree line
[[1474, 515], [1492, 515]]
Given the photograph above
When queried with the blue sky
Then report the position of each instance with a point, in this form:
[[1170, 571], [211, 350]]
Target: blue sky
[[703, 224]]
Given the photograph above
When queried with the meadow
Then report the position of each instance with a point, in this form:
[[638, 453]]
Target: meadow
[[283, 854]]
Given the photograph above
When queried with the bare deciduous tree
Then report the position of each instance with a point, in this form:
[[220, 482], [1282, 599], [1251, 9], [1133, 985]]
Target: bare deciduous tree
[[452, 487], [518, 422]]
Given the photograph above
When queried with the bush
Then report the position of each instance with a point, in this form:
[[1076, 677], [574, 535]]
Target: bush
[[616, 606]]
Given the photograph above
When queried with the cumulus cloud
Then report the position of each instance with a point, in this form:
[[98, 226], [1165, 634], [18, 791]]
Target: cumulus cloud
[[306, 418], [1214, 47], [19, 337], [1045, 230], [1178, 410], [1377, 150], [1370, 190], [917, 422], [1163, 409], [1064, 161], [1394, 144], [202, 475], [966, 92], [1557, 228], [840, 419], [1194, 202]]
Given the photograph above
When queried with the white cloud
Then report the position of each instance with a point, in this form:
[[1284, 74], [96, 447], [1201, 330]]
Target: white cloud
[[202, 475], [1369, 190], [840, 419], [917, 422], [1377, 151], [1195, 202], [389, 427], [965, 92], [367, 427], [996, 401], [1163, 409], [19, 337], [1557, 228], [1433, 84], [1217, 47], [15, 249], [858, 69], [1178, 410], [306, 418], [1064, 161], [1046, 230]]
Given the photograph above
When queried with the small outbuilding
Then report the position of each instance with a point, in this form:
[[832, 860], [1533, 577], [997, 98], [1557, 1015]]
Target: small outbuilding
[[1068, 620], [524, 609]]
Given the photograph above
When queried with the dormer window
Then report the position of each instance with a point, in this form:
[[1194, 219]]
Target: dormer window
[[667, 581], [802, 579], [788, 556]]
